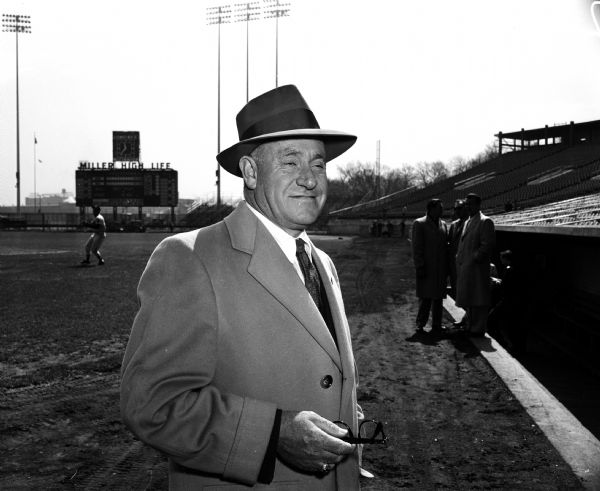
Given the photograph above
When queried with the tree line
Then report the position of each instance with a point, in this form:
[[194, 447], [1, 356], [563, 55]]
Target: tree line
[[359, 182]]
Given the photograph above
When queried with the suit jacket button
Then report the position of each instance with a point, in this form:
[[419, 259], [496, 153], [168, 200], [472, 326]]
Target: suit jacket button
[[327, 381]]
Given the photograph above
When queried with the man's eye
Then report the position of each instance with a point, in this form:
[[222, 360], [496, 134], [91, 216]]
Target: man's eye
[[289, 163], [320, 165]]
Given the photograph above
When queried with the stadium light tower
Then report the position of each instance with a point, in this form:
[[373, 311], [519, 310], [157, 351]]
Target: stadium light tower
[[378, 171], [17, 24], [245, 12], [276, 8], [218, 15]]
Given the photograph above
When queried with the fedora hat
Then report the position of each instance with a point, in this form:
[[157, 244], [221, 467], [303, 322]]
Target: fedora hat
[[279, 114]]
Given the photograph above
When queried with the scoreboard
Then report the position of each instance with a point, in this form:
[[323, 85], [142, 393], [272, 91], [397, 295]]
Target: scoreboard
[[126, 187]]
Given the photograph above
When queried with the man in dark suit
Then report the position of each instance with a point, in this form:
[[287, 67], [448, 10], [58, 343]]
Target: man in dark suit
[[240, 358], [430, 257]]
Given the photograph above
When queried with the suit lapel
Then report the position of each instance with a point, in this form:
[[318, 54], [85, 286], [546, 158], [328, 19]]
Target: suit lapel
[[474, 222], [342, 331], [273, 271], [469, 224], [335, 303], [457, 231], [437, 227]]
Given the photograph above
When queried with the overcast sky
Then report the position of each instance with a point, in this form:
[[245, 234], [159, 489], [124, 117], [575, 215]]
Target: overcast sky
[[430, 80]]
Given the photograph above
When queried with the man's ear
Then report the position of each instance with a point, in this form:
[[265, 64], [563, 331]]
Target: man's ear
[[249, 171]]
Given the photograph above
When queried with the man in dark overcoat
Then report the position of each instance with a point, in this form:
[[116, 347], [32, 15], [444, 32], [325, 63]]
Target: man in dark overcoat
[[430, 257]]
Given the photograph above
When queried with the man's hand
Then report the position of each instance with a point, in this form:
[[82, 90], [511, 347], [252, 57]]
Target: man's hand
[[307, 441]]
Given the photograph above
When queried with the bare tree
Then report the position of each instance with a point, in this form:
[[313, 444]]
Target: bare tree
[[458, 164], [360, 179], [439, 171], [399, 179]]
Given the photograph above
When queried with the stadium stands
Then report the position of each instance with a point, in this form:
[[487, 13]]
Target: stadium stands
[[528, 176], [583, 211]]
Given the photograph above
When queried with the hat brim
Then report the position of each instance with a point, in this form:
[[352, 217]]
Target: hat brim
[[336, 143]]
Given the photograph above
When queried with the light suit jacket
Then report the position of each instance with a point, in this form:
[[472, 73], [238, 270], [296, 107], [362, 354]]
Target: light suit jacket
[[226, 334], [473, 262], [454, 234]]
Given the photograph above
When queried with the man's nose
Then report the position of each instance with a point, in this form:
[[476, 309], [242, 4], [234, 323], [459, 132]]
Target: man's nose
[[306, 178]]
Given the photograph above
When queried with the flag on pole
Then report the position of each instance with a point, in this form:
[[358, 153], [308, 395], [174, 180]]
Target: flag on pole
[[39, 161], [35, 140]]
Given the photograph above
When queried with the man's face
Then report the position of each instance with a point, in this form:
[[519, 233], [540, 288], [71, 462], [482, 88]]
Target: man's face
[[473, 206], [291, 184], [437, 211], [461, 212]]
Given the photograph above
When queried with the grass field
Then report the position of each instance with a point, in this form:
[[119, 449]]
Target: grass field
[[452, 423], [63, 331]]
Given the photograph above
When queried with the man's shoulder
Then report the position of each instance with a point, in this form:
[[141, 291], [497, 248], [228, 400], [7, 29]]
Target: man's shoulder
[[200, 240], [485, 218], [321, 252]]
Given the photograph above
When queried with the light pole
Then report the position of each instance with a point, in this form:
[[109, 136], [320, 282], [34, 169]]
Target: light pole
[[378, 171], [245, 12], [35, 172], [218, 15], [276, 8], [17, 24]]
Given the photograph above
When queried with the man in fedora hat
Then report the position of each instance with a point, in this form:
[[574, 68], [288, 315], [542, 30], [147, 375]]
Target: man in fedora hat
[[475, 248], [239, 359]]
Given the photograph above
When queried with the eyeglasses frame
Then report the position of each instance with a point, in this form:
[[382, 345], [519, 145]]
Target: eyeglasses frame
[[350, 438]]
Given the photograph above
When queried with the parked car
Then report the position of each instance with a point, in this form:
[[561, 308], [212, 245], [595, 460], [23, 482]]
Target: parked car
[[12, 222]]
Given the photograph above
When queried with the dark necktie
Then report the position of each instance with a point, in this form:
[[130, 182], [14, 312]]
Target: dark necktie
[[313, 284]]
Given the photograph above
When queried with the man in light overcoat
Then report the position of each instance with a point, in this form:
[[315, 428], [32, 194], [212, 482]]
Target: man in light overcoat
[[454, 234], [475, 248], [240, 358], [430, 257]]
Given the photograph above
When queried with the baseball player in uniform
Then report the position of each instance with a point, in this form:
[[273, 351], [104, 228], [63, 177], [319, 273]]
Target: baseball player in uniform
[[95, 241]]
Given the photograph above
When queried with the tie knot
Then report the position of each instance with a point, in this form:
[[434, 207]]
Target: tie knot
[[300, 246]]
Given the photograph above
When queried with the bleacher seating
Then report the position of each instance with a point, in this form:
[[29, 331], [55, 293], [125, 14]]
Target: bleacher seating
[[583, 211], [525, 178]]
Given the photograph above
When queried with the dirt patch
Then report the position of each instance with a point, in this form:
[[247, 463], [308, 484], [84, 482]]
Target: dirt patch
[[452, 424]]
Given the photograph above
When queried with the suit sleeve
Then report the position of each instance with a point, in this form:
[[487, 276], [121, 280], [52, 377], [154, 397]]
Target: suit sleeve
[[418, 245], [167, 396]]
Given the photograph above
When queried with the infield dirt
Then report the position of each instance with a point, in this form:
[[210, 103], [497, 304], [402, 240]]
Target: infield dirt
[[451, 422]]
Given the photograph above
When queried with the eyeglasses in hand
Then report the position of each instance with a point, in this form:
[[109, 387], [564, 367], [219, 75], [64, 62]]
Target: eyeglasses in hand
[[369, 431]]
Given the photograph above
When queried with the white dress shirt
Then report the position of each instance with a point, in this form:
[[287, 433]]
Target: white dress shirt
[[285, 241]]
